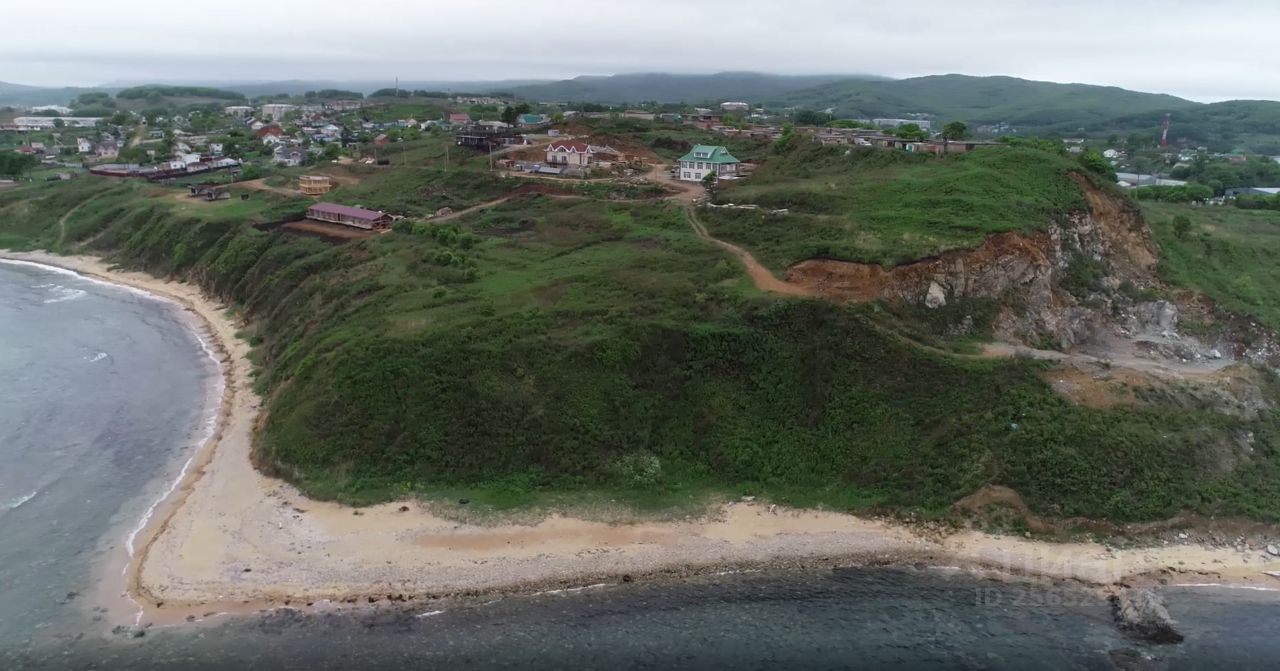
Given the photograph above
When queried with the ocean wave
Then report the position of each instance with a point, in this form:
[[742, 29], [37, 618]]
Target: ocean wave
[[64, 294], [96, 357], [14, 503], [86, 278]]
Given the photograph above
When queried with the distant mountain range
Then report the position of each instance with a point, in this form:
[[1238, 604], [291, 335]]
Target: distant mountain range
[[667, 88], [1007, 103], [21, 94]]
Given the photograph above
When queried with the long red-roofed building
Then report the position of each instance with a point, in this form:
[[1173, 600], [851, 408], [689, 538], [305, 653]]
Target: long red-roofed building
[[349, 216]]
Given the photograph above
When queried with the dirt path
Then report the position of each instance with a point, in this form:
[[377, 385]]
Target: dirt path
[[762, 277], [685, 192], [1115, 356], [261, 185], [62, 221], [474, 208], [138, 135]]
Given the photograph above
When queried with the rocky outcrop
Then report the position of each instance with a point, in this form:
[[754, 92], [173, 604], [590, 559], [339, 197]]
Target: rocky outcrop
[[1037, 280], [1022, 271], [1141, 613]]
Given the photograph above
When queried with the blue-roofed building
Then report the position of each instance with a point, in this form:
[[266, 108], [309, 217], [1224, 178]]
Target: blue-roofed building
[[530, 120]]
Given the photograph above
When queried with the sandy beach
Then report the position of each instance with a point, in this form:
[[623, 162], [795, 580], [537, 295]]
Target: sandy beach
[[229, 538]]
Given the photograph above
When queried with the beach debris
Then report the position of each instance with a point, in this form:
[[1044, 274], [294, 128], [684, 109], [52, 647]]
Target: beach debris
[[1141, 614], [748, 499], [626, 577], [773, 509], [1273, 574], [247, 570], [1182, 536], [1273, 551], [131, 632], [464, 502], [404, 509]]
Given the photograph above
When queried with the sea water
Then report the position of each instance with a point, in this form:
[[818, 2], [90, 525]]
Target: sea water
[[106, 392]]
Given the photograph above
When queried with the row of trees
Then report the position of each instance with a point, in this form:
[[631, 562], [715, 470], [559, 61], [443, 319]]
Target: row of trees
[[14, 165], [1223, 175], [1258, 202], [1190, 193]]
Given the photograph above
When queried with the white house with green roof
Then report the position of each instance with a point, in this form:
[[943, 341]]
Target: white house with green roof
[[705, 159]]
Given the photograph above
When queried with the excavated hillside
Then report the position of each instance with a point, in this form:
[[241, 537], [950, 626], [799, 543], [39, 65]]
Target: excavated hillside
[[1086, 285]]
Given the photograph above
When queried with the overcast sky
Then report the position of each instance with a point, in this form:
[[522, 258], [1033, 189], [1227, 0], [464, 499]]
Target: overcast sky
[[1199, 50]]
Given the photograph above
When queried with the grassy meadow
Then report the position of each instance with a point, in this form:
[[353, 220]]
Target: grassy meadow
[[890, 208], [1232, 255]]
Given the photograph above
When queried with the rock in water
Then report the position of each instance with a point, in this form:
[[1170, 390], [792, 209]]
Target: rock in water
[[1141, 614]]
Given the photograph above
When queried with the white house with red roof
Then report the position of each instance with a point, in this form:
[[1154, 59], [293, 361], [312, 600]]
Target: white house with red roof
[[569, 153]]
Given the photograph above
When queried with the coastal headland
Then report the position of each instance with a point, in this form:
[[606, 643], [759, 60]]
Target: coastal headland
[[230, 539]]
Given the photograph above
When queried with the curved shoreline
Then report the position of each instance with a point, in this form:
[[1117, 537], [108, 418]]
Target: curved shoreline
[[228, 539], [124, 584]]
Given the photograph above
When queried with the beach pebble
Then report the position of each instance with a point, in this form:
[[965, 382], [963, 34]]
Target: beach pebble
[[1273, 551]]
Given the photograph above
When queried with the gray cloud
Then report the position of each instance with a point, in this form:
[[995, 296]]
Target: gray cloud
[[1184, 47]]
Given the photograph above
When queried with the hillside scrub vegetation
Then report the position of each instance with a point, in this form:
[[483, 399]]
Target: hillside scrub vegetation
[[888, 207], [1227, 253], [581, 346]]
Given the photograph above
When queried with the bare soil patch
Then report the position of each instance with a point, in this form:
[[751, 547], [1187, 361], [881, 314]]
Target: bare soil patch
[[327, 231]]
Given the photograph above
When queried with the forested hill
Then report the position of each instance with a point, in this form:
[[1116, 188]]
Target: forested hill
[[985, 100], [669, 88], [1045, 108]]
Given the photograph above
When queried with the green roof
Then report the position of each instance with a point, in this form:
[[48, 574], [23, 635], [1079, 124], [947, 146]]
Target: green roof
[[710, 154]]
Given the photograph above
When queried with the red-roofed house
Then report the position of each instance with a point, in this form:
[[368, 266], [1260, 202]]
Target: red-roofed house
[[382, 139], [270, 133], [348, 216], [460, 119], [570, 153]]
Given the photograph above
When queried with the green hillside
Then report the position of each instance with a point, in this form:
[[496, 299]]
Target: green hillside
[[1228, 253], [875, 206], [21, 94], [564, 347], [986, 100]]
